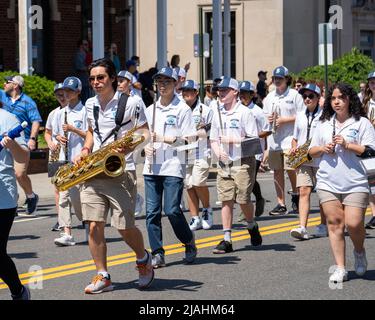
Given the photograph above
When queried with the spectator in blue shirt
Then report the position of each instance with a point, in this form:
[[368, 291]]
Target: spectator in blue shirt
[[25, 109]]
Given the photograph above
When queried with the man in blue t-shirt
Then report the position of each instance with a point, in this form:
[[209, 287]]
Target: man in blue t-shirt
[[25, 109]]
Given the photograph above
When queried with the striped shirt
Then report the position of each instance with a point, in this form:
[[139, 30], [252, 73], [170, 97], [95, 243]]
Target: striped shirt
[[24, 108]]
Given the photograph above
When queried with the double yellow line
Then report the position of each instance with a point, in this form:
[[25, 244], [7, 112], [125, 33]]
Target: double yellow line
[[88, 265]]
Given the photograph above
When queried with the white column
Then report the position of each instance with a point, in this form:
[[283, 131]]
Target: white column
[[217, 38], [25, 38], [98, 28], [130, 32], [227, 38], [162, 33]]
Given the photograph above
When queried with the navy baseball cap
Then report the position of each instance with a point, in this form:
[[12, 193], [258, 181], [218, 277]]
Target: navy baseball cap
[[167, 72], [72, 83], [58, 87], [371, 75], [125, 75], [190, 85], [247, 86], [311, 87], [280, 72], [228, 83]]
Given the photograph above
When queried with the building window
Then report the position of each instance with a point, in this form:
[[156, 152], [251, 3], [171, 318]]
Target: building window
[[208, 28], [367, 43]]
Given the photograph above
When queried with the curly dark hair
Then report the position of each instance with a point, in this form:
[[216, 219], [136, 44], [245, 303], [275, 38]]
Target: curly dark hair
[[355, 107], [367, 98]]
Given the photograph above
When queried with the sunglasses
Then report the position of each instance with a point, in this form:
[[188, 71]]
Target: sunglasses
[[311, 96], [164, 83], [99, 78]]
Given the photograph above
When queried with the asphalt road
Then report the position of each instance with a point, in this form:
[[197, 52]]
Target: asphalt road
[[281, 269]]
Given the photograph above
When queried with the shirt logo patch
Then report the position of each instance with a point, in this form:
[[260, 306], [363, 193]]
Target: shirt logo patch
[[197, 119], [234, 124], [78, 124], [352, 135], [171, 120]]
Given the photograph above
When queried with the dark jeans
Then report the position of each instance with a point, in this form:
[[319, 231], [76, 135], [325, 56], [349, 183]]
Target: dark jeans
[[8, 271], [256, 190], [172, 188]]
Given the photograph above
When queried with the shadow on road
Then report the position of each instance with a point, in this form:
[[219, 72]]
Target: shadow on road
[[24, 237], [370, 276], [25, 255], [218, 259], [268, 247]]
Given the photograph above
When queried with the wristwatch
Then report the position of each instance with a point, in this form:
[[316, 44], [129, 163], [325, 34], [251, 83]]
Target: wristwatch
[[33, 138]]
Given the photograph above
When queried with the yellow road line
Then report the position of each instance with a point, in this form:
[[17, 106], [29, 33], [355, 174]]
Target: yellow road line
[[85, 266]]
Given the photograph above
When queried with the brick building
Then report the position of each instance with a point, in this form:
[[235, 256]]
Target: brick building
[[65, 23]]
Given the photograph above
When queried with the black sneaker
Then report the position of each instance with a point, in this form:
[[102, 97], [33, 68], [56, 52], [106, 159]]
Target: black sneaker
[[371, 224], [24, 295], [279, 210], [295, 203], [256, 238], [223, 247], [56, 228], [259, 207], [32, 204]]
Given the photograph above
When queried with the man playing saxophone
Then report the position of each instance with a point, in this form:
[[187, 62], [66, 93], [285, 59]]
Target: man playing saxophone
[[305, 126], [101, 193]]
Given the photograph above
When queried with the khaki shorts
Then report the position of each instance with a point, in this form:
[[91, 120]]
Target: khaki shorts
[[197, 174], [277, 160], [101, 194], [306, 176], [356, 199], [239, 185]]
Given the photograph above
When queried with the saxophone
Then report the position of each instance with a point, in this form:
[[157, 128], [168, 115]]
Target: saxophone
[[300, 157], [106, 160], [372, 116]]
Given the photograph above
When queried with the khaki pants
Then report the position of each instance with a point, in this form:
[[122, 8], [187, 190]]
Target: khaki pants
[[69, 199]]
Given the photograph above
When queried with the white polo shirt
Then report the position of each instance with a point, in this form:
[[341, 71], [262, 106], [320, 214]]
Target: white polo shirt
[[51, 118], [238, 123], [301, 126], [286, 105], [262, 125], [77, 117], [203, 114], [174, 120], [342, 172], [107, 121]]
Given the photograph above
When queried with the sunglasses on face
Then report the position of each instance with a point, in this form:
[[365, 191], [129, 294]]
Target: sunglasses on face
[[99, 78], [311, 96]]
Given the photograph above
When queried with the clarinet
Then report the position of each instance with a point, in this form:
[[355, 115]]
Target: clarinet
[[153, 124], [222, 164], [66, 134], [334, 130]]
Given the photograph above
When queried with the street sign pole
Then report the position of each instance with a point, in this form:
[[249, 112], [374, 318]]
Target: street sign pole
[[326, 58], [201, 57]]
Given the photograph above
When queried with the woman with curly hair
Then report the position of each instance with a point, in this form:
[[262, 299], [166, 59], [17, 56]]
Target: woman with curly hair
[[343, 135], [369, 106]]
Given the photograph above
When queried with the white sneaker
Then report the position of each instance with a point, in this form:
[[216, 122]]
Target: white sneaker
[[300, 233], [139, 205], [360, 264], [340, 275], [195, 224], [321, 231], [65, 240], [219, 203], [207, 219]]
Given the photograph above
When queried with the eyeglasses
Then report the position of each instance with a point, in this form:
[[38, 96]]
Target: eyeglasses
[[164, 83], [311, 96], [60, 95], [99, 78]]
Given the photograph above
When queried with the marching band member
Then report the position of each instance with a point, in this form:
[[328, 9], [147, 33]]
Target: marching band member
[[232, 123], [281, 106], [369, 105], [170, 120], [13, 150], [342, 184], [51, 142], [247, 94], [69, 128], [304, 129], [198, 171], [100, 194]]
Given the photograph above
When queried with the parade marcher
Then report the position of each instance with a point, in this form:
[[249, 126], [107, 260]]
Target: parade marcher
[[247, 94], [208, 98], [170, 120], [304, 130], [281, 107], [342, 184], [13, 150], [25, 109], [369, 105], [362, 92], [199, 169], [262, 88], [125, 80], [102, 194], [232, 123], [51, 141], [131, 66], [69, 128]]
